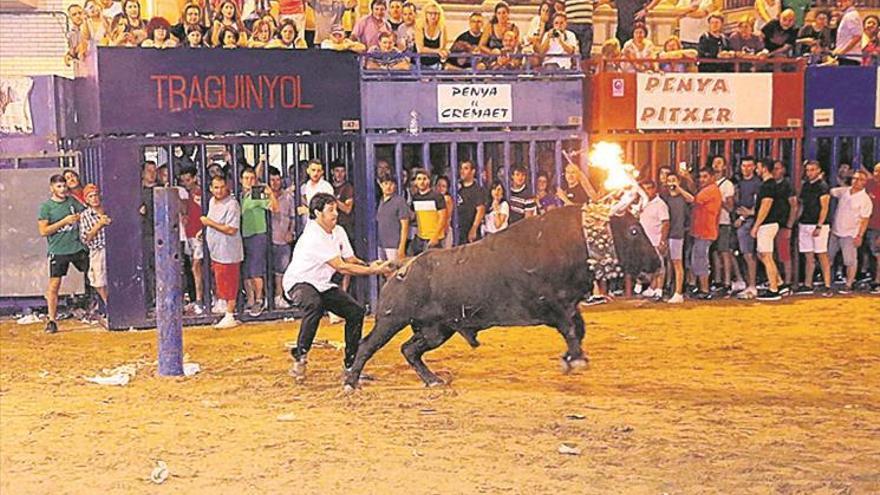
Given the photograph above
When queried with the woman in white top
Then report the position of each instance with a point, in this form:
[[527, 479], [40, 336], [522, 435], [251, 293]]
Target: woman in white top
[[639, 47], [537, 27], [499, 211]]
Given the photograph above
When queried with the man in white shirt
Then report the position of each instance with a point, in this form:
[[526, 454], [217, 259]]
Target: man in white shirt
[[854, 208], [316, 184], [848, 48], [559, 41], [654, 218], [322, 250]]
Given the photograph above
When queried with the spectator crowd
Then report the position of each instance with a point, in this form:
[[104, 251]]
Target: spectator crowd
[[722, 232], [558, 35]]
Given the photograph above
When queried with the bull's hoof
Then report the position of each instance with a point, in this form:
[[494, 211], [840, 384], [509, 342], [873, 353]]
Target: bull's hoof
[[571, 366], [434, 383]]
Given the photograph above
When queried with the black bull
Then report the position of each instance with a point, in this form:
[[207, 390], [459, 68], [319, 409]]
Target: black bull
[[533, 273]]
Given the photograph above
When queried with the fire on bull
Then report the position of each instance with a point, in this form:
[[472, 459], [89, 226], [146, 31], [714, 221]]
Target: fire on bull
[[534, 273]]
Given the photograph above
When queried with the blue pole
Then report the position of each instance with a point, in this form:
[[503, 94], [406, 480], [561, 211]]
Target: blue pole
[[169, 290]]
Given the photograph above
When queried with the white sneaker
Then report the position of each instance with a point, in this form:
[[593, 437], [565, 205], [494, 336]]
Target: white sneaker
[[637, 289], [219, 307], [334, 318], [738, 286], [280, 303], [676, 299], [228, 321], [648, 293]]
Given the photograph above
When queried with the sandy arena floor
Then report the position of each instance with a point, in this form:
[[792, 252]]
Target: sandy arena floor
[[730, 398]]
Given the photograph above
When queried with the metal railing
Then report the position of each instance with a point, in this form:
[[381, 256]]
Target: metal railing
[[687, 64]]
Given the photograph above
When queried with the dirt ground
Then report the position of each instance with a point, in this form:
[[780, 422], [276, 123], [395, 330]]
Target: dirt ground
[[727, 397]]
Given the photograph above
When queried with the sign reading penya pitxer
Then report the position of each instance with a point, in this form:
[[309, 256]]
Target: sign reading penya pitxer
[[704, 101], [160, 91]]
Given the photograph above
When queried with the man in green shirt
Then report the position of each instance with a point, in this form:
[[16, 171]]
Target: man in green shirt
[[58, 221], [255, 200]]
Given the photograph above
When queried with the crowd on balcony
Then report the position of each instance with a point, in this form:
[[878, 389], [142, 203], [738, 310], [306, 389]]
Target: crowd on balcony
[[397, 34]]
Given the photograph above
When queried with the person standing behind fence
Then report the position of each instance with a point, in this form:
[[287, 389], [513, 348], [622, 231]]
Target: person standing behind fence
[[854, 209], [471, 204], [256, 200], [431, 212], [225, 246], [559, 45], [770, 216], [678, 213], [93, 221], [499, 211], [192, 227], [744, 201], [873, 234], [522, 201], [813, 228], [580, 22], [393, 217], [58, 222], [442, 188], [654, 218], [788, 199], [315, 184], [282, 233], [704, 227]]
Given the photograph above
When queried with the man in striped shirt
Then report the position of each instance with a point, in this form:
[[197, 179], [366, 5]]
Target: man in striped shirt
[[522, 201], [580, 22]]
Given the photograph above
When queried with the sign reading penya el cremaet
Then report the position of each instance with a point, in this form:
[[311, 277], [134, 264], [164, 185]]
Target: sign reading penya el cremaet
[[160, 91], [704, 101], [474, 103]]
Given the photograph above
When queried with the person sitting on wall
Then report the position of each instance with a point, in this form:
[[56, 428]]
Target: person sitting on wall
[[190, 20], [127, 28], [159, 34], [288, 37], [369, 30], [780, 35], [338, 42], [386, 56], [673, 50], [467, 42], [507, 59], [560, 42], [261, 34], [714, 44], [228, 18], [746, 44]]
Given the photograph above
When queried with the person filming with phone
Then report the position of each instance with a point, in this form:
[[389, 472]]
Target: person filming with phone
[[255, 201]]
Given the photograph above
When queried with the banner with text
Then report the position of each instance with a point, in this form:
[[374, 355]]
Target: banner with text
[[704, 101], [474, 103]]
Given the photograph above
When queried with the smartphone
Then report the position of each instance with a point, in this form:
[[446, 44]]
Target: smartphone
[[682, 166], [258, 192]]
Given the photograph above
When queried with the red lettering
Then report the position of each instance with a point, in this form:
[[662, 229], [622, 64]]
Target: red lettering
[[302, 103], [195, 93], [215, 92], [270, 83], [176, 89], [255, 90], [283, 90], [159, 78]]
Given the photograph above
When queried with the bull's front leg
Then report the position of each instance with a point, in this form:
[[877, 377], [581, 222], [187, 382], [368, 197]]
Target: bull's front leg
[[573, 331], [423, 340], [383, 331]]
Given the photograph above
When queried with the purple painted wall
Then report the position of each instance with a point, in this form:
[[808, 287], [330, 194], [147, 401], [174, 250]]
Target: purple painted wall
[[165, 91], [850, 91]]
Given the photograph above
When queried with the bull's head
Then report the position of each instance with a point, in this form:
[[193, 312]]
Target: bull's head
[[616, 215], [634, 251]]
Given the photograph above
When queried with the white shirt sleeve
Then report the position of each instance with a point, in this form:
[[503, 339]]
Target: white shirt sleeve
[[866, 207]]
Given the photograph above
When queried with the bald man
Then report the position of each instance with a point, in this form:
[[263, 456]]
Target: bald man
[[780, 35]]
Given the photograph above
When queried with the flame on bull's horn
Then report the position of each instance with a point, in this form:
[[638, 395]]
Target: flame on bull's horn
[[609, 157]]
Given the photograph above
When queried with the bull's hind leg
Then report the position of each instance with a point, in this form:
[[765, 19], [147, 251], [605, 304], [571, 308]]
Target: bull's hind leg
[[423, 340], [573, 331], [383, 331]]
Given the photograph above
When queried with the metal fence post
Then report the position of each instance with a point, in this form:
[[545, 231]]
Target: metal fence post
[[169, 283]]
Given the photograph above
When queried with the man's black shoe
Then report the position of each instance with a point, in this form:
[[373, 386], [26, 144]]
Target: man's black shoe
[[51, 327], [803, 291], [769, 295]]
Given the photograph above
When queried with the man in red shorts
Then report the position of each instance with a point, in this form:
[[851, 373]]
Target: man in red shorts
[[225, 245]]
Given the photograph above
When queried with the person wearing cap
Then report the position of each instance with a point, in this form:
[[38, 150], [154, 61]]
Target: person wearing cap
[[92, 222], [338, 42]]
